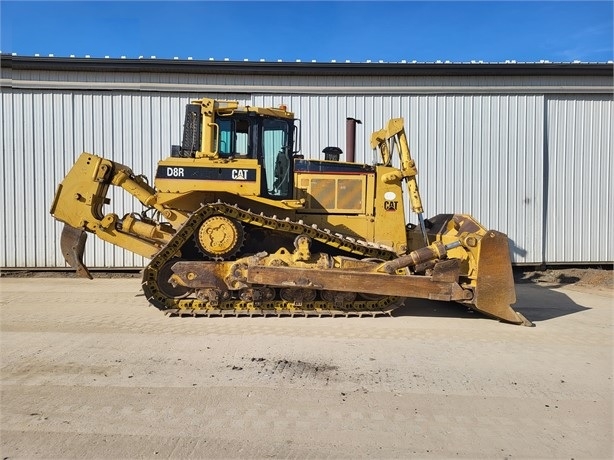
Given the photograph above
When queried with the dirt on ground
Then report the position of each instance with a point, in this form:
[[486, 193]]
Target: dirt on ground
[[89, 371], [581, 276]]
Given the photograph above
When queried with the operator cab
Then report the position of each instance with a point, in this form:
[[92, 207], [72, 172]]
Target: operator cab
[[267, 139], [244, 133]]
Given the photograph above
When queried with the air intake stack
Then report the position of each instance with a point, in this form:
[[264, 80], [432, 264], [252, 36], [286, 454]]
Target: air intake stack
[[332, 153]]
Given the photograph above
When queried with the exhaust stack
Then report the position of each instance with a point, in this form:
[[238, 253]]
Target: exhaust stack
[[350, 138]]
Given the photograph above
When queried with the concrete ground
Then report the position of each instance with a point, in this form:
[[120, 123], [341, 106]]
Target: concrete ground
[[88, 370]]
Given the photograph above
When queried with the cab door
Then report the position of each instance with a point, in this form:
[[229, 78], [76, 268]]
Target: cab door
[[276, 158]]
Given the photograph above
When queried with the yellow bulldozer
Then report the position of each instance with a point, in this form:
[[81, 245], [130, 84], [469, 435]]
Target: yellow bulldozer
[[237, 222]]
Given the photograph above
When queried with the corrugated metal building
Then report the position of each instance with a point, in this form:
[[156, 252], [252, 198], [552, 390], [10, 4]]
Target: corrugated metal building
[[526, 148]]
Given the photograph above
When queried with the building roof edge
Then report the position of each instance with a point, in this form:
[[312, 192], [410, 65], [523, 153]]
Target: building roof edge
[[306, 68]]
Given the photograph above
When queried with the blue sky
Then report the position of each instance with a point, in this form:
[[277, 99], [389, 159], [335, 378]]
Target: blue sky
[[359, 31]]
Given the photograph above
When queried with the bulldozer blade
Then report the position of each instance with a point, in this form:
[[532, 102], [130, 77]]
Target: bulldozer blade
[[495, 293], [72, 244]]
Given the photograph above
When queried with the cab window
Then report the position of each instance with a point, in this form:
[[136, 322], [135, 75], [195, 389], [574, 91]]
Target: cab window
[[276, 158], [233, 137]]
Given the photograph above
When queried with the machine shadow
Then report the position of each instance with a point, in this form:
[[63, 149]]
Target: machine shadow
[[536, 303], [541, 303]]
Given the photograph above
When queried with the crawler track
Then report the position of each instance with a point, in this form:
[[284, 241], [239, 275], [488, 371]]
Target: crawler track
[[277, 306]]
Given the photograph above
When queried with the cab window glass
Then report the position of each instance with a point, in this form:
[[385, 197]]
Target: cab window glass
[[225, 137], [233, 137], [276, 157]]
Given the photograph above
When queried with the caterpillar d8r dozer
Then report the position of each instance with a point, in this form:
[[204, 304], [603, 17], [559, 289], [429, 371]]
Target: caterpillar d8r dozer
[[237, 223]]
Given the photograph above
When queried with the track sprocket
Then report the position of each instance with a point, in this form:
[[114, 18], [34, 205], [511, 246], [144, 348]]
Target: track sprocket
[[219, 237]]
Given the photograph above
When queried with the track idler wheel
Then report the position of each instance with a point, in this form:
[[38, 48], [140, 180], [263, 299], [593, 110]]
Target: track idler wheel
[[165, 284], [219, 237]]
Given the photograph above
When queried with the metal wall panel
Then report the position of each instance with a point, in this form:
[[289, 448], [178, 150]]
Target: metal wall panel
[[480, 152], [473, 152], [580, 215], [43, 133]]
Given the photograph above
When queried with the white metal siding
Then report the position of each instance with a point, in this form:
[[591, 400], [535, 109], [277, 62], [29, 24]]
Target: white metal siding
[[43, 133], [476, 154], [580, 218]]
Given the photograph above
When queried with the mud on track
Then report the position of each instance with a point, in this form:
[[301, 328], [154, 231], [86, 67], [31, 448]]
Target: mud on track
[[88, 370]]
